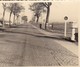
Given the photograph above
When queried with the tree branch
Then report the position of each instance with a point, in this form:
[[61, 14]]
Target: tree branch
[[45, 4]]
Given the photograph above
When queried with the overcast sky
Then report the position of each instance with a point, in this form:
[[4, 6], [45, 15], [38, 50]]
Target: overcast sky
[[57, 12], [61, 9]]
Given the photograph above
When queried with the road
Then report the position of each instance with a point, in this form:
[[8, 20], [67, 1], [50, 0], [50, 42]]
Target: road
[[26, 46]]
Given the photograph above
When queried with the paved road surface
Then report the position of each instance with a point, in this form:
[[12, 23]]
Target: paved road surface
[[26, 46]]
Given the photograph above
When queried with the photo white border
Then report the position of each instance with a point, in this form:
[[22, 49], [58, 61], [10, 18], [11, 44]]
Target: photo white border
[[78, 27]]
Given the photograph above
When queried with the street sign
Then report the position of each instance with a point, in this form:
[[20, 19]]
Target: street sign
[[65, 27], [65, 18]]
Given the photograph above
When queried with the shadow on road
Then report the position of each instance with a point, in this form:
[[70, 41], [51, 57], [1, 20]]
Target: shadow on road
[[40, 35]]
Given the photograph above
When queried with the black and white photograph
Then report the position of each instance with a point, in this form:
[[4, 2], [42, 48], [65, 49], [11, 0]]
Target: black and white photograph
[[41, 33]]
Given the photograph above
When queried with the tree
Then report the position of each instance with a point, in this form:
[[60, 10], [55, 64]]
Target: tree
[[4, 9], [24, 18], [17, 17], [17, 8], [47, 5], [10, 8], [37, 8]]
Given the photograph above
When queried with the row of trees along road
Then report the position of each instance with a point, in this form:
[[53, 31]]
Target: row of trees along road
[[12, 8], [24, 18], [39, 8]]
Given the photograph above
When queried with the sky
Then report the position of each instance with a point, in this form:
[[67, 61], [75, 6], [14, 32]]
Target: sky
[[58, 11], [61, 9]]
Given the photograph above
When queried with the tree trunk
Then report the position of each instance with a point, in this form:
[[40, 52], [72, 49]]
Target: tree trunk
[[14, 19], [52, 25], [10, 19], [17, 18], [47, 16], [37, 19], [3, 17]]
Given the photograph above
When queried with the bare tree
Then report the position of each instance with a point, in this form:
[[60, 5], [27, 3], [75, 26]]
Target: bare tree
[[47, 5], [10, 8], [4, 9], [17, 8], [37, 8]]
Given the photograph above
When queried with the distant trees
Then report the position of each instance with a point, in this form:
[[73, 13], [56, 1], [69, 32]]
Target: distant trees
[[17, 8], [13, 8], [38, 8], [25, 18]]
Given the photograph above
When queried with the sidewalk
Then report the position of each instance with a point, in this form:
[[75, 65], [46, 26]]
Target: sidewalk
[[71, 46]]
